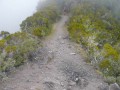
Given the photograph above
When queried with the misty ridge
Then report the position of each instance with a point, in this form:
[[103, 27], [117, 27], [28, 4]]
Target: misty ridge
[[112, 5], [93, 25]]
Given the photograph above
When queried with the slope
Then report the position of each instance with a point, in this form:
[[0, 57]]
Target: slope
[[58, 66]]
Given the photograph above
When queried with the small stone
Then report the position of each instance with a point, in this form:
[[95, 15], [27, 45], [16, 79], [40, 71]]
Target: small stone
[[62, 42], [60, 37], [71, 83], [27, 80], [33, 88], [49, 85], [76, 79], [73, 53], [114, 86], [83, 82], [64, 89], [50, 51], [61, 83]]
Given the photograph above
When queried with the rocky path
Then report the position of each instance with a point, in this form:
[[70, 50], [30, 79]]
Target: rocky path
[[59, 67]]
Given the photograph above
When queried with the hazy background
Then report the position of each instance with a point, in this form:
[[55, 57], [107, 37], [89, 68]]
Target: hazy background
[[13, 12]]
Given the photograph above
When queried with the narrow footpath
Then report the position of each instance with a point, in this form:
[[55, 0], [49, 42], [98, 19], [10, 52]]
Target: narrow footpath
[[59, 66]]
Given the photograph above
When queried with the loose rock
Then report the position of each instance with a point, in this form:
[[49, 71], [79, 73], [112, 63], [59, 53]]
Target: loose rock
[[114, 86], [73, 53], [83, 82], [103, 87], [71, 83]]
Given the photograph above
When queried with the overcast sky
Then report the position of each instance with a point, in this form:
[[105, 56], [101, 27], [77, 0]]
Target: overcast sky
[[12, 12]]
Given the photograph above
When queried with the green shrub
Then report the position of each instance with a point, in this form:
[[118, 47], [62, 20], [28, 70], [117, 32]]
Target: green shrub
[[2, 44], [9, 49], [19, 59], [110, 79], [41, 31], [40, 23], [110, 63], [118, 80], [109, 51], [106, 67], [6, 65], [96, 28]]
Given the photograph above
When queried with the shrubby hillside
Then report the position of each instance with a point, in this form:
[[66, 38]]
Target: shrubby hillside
[[96, 26], [40, 24], [19, 48]]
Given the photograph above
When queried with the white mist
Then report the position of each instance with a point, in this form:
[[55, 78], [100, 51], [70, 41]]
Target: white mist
[[13, 12]]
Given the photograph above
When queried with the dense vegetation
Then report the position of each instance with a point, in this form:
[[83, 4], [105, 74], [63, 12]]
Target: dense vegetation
[[96, 26], [15, 50], [18, 48], [40, 23]]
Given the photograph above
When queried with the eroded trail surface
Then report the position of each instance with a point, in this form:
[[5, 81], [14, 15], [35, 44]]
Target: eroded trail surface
[[59, 67]]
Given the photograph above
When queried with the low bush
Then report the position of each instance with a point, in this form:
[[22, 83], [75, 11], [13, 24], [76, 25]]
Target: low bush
[[96, 28]]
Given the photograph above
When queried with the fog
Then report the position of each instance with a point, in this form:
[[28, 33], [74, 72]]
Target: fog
[[13, 12]]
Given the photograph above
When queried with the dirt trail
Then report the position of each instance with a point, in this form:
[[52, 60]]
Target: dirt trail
[[61, 67]]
